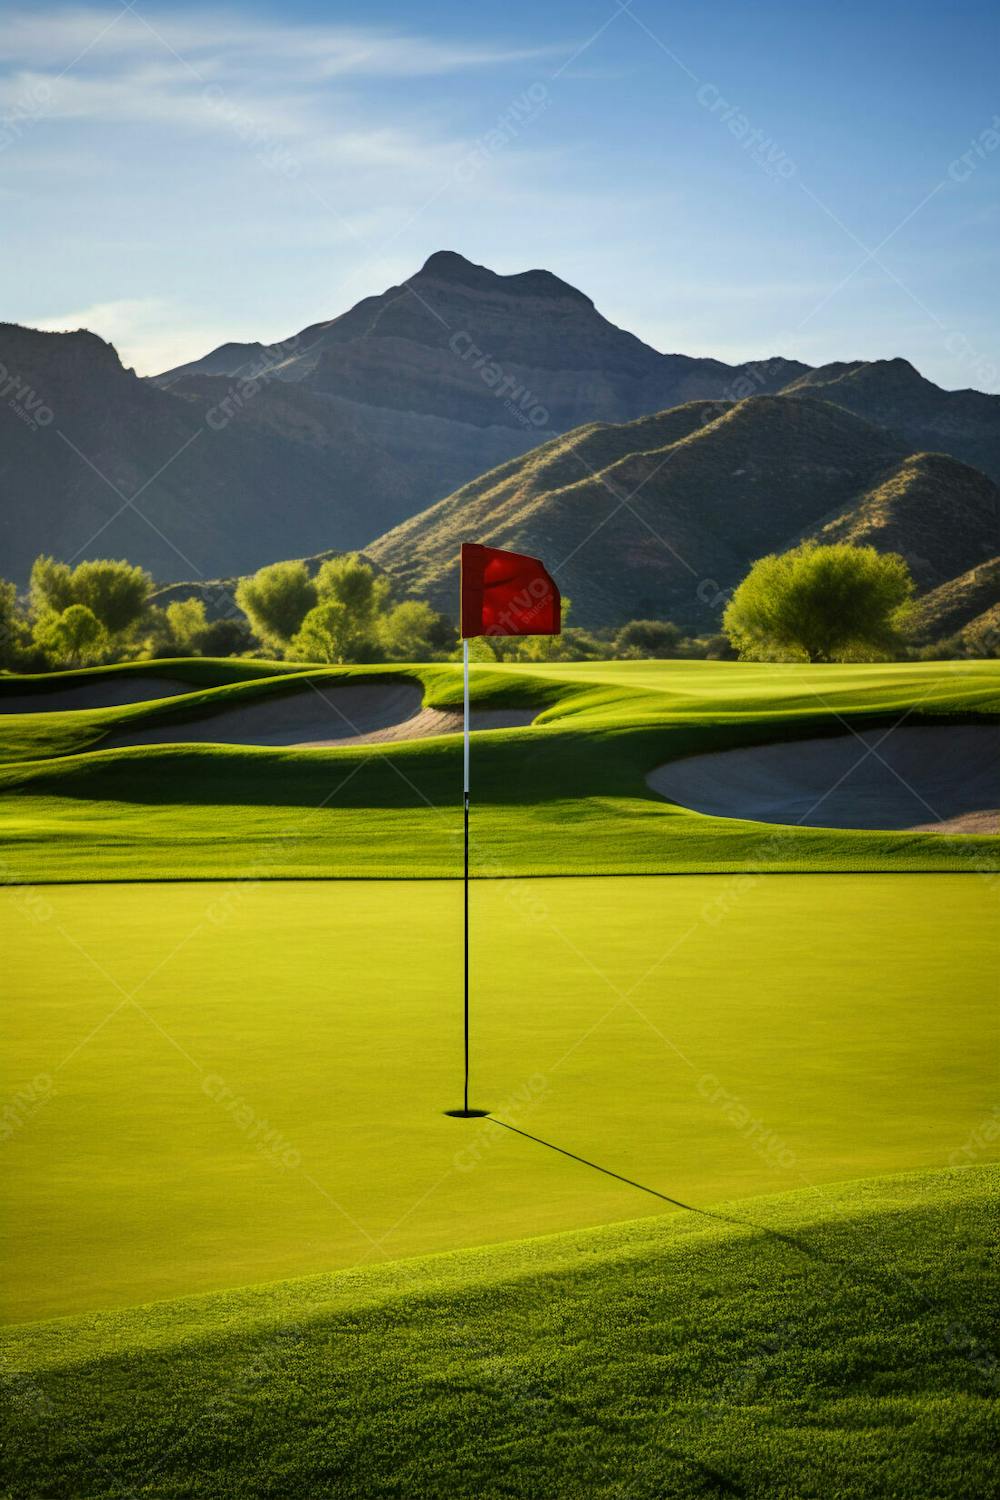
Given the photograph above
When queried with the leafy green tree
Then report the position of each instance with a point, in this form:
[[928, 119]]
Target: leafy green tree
[[115, 592], [821, 604], [187, 625], [12, 626], [227, 638], [718, 648], [51, 586], [410, 632], [159, 640], [186, 630], [355, 584], [330, 633], [645, 638], [73, 638], [276, 601]]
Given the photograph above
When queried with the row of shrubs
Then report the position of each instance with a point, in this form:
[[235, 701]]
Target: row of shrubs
[[105, 611], [814, 604]]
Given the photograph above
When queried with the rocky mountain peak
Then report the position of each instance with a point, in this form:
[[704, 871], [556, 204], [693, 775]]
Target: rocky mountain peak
[[448, 266]]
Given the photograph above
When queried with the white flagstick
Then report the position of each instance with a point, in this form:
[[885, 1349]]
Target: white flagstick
[[465, 768]]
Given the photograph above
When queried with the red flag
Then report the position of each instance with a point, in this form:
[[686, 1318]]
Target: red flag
[[506, 593]]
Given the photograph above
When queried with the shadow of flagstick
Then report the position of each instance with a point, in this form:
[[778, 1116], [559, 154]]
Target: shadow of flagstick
[[841, 1266], [706, 1213]]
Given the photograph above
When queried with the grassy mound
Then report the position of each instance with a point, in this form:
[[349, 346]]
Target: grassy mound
[[568, 796], [819, 1345]]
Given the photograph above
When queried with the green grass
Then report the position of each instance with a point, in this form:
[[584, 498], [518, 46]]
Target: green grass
[[709, 1039], [832, 1344], [199, 671], [268, 1265], [567, 798]]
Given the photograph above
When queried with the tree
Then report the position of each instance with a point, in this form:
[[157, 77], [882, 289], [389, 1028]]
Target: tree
[[11, 625], [175, 632], [115, 592], [187, 625], [355, 584], [821, 604], [228, 637], [718, 648], [647, 638], [51, 588], [276, 601], [409, 632], [74, 638], [330, 633]]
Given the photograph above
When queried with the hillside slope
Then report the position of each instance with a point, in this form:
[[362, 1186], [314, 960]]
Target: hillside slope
[[354, 425], [322, 441], [213, 493], [893, 394], [663, 515], [941, 515], [957, 603]]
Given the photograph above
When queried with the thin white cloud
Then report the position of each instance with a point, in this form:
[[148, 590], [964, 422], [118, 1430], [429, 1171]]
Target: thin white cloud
[[268, 84], [197, 36], [262, 147]]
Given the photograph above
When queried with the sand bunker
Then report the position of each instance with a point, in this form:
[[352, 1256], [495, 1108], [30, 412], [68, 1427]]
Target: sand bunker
[[364, 713], [940, 780], [110, 692]]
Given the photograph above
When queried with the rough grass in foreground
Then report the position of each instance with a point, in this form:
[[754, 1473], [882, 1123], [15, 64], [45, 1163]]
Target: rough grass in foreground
[[810, 1345]]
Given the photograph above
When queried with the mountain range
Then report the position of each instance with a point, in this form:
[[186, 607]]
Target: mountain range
[[330, 437], [663, 516], [507, 406]]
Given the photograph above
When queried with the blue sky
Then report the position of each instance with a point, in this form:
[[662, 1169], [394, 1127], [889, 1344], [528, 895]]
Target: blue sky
[[821, 181]]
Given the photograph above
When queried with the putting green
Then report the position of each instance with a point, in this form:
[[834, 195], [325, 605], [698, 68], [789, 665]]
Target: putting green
[[210, 1085]]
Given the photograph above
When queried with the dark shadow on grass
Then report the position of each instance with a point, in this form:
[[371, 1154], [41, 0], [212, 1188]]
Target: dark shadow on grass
[[706, 1213], [848, 1269]]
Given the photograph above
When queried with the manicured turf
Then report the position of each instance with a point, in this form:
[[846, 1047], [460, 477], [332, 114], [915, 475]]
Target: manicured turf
[[215, 1085], [567, 797], [810, 1345]]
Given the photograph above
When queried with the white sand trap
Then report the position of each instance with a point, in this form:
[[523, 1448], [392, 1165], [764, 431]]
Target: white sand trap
[[328, 715], [110, 692], [933, 779]]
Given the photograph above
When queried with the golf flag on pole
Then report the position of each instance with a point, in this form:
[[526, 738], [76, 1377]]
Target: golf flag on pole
[[507, 593], [502, 593]]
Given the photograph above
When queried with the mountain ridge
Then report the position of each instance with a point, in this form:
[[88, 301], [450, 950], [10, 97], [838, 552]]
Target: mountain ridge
[[349, 429], [663, 516], [894, 394]]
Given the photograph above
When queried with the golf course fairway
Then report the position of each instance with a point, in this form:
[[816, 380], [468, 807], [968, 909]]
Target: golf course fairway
[[212, 1085], [206, 784]]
